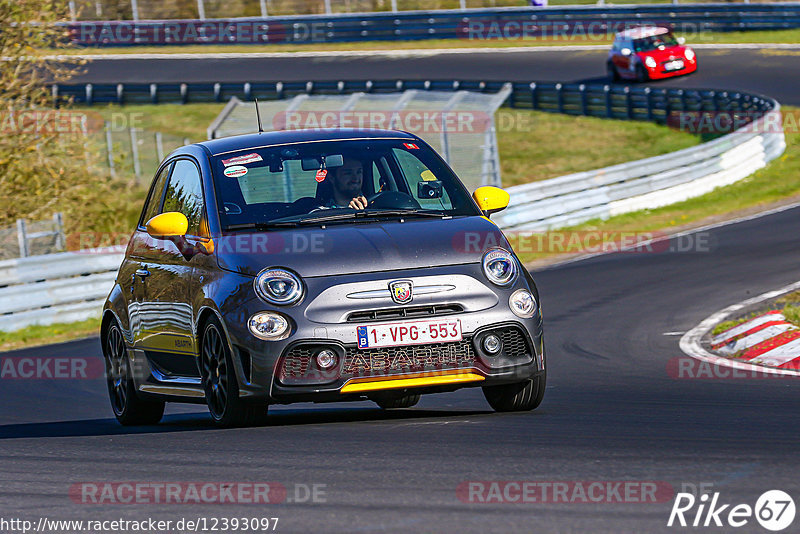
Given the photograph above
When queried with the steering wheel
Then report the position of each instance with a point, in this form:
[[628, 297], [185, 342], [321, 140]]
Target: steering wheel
[[392, 199]]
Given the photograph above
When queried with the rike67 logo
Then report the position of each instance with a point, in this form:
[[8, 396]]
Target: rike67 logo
[[774, 510]]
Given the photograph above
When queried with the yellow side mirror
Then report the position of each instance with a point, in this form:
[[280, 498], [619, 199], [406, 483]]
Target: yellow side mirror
[[491, 199], [170, 224]]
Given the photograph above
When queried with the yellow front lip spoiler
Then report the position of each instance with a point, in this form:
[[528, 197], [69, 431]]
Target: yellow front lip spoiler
[[442, 378]]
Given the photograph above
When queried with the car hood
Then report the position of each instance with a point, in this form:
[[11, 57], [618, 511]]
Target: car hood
[[672, 52], [357, 248]]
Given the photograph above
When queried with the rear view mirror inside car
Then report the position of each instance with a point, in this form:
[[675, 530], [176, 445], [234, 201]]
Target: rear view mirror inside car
[[314, 164]]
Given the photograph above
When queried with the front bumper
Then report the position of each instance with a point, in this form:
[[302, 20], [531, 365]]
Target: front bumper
[[285, 371]]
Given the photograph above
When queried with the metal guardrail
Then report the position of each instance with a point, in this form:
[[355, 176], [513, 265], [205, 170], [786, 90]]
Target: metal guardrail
[[644, 184], [446, 24], [598, 100], [55, 288]]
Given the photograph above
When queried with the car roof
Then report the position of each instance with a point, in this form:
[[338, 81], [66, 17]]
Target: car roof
[[642, 32], [281, 137]]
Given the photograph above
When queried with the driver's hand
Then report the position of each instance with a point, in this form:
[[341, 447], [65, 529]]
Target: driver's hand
[[358, 203]]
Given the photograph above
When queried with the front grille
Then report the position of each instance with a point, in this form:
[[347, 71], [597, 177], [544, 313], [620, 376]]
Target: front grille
[[409, 312], [411, 359]]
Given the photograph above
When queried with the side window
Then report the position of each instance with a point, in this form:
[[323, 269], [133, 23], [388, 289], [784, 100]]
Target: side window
[[185, 194], [151, 207]]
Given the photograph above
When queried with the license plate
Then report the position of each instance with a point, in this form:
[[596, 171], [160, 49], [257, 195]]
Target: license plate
[[674, 65], [408, 333]]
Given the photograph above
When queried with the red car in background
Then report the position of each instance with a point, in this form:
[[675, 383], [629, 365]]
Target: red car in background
[[649, 53]]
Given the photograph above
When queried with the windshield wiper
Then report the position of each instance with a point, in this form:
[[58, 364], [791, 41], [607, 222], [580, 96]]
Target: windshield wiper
[[259, 225]]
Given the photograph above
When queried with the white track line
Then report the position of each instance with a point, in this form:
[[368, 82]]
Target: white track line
[[414, 52], [690, 342]]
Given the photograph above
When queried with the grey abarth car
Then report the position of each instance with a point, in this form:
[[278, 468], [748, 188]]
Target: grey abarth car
[[317, 266]]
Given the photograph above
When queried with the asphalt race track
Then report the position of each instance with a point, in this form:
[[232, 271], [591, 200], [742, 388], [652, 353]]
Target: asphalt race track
[[770, 72], [612, 412]]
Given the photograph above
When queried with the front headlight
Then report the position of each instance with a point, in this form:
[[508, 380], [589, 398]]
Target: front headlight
[[278, 286], [499, 266], [522, 303], [269, 326], [650, 62], [689, 53]]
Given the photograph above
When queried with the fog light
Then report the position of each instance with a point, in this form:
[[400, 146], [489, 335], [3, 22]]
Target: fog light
[[522, 303], [269, 326], [492, 344], [326, 359]]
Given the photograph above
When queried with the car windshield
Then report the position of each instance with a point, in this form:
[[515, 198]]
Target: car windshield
[[654, 42], [322, 182]]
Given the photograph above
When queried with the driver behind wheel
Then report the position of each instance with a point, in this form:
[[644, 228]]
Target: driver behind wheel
[[347, 181]]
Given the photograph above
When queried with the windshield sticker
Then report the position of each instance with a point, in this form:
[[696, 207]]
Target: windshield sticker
[[428, 176], [411, 146], [236, 171], [321, 174], [241, 160]]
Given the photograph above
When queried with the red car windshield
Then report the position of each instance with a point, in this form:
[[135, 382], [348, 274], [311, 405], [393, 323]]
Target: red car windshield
[[654, 42]]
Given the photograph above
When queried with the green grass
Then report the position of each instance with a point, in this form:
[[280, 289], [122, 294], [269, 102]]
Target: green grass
[[726, 325], [769, 36], [532, 144], [45, 335]]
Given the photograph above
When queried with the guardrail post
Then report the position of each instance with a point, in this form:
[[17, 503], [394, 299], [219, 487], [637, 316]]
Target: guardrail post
[[279, 90], [248, 91], [110, 150], [54, 94], [22, 238], [120, 93], [649, 94], [137, 169], [135, 9], [184, 93], [154, 93], [217, 92], [584, 100], [89, 93], [201, 9], [628, 102], [159, 146], [58, 222], [394, 6], [463, 4], [560, 98], [682, 97], [328, 9], [263, 8], [667, 105], [609, 107], [534, 96]]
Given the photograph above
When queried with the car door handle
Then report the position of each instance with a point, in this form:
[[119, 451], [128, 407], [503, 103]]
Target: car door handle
[[143, 273]]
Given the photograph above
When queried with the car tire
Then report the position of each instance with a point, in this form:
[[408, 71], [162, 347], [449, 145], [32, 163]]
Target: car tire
[[518, 397], [129, 409], [220, 385], [641, 74], [613, 73], [390, 401]]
